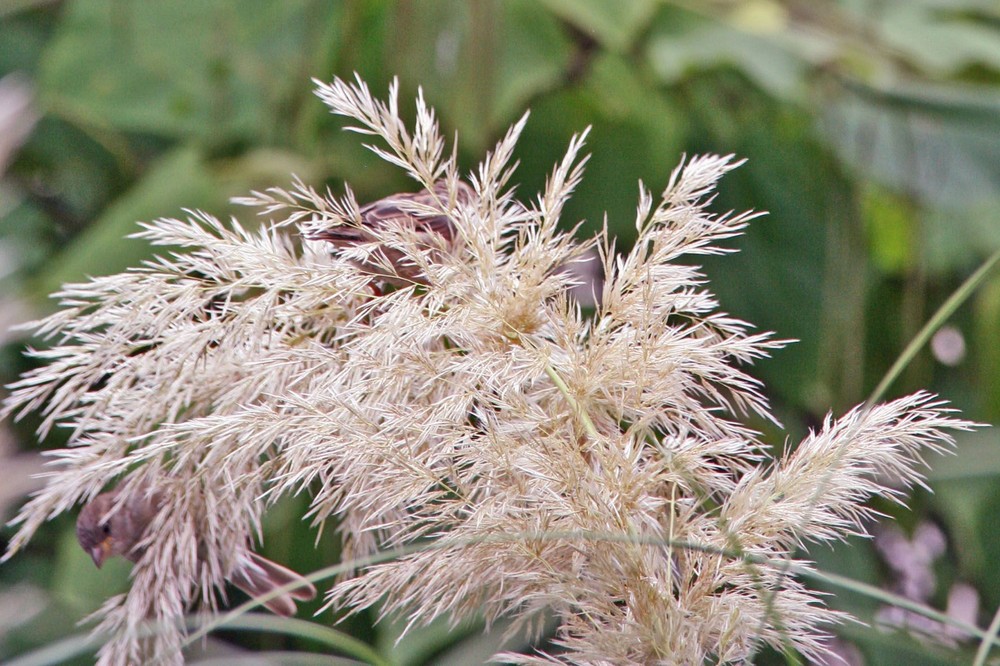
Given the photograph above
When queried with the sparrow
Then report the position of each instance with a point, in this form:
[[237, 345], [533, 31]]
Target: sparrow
[[399, 210], [104, 532]]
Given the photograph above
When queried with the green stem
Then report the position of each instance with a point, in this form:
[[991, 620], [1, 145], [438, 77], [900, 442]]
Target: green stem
[[988, 641], [588, 425], [933, 324]]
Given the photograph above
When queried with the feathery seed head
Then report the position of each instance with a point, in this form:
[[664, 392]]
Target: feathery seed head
[[588, 463]]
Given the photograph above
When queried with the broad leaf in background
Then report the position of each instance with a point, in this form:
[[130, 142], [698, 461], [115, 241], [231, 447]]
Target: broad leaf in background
[[178, 179], [938, 145], [614, 25], [216, 71], [483, 62]]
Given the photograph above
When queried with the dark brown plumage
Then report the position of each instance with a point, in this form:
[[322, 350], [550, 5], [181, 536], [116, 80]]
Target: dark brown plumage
[[399, 210], [105, 532]]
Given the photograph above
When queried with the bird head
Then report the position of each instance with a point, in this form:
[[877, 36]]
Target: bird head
[[99, 529]]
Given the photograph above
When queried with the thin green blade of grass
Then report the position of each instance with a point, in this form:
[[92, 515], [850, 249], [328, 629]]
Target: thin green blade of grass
[[988, 641], [947, 309]]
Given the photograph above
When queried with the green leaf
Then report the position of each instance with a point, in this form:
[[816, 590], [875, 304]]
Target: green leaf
[[178, 180], [80, 585], [963, 504], [890, 223], [939, 39], [479, 648], [939, 145], [777, 279], [416, 646], [675, 55], [534, 54], [480, 63], [987, 355], [615, 24], [216, 70], [975, 458], [441, 644]]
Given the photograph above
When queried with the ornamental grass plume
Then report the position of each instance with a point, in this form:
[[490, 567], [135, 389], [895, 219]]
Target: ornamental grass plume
[[592, 464]]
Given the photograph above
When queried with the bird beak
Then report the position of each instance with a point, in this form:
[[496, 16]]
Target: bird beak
[[100, 552]]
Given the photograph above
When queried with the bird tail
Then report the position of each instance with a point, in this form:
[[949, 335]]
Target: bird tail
[[260, 576]]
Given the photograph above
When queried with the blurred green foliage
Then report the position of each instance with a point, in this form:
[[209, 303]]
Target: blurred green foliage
[[871, 128]]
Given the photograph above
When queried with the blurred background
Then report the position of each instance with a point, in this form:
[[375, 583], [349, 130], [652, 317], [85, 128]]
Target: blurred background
[[872, 133]]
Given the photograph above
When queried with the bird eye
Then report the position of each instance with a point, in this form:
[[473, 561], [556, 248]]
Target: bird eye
[[106, 529]]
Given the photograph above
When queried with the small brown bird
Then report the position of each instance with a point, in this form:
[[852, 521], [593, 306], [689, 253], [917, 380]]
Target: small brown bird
[[105, 533], [399, 210]]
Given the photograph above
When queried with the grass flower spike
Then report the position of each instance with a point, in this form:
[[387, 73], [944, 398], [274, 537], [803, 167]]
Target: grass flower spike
[[593, 464]]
